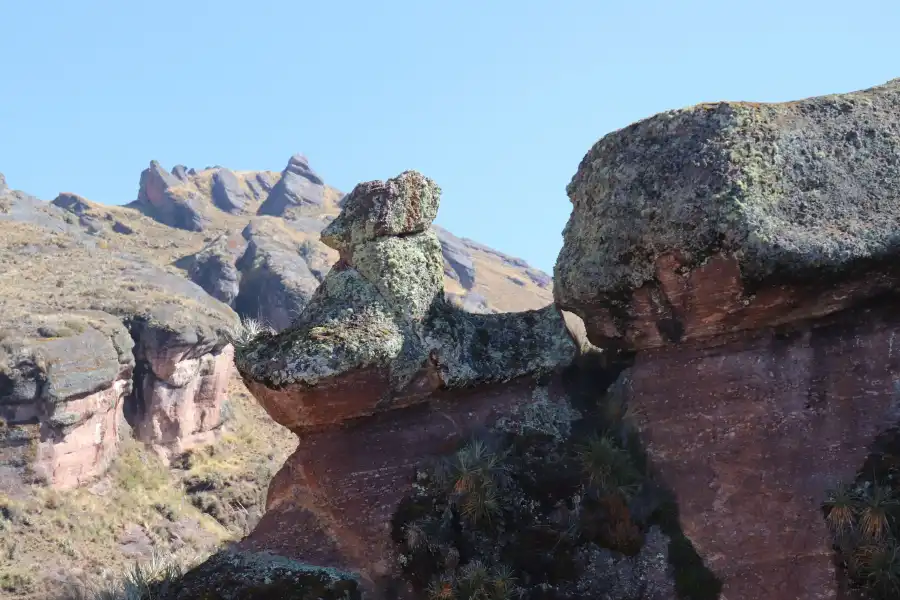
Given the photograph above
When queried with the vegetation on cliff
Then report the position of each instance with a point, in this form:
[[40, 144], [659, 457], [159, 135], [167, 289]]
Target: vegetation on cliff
[[553, 502], [864, 519]]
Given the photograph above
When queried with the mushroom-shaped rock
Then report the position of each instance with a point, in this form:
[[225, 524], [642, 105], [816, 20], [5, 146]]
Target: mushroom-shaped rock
[[378, 334], [687, 224], [746, 253]]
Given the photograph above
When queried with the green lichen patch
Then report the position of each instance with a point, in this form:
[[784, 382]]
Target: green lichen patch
[[408, 271], [346, 325], [473, 348]]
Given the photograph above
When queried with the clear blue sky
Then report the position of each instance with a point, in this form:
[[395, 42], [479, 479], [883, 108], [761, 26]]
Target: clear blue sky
[[496, 100]]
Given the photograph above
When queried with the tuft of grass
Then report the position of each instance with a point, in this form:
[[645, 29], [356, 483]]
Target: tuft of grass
[[247, 330]]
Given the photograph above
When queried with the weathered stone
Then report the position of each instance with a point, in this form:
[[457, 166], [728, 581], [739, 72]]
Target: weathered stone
[[406, 270], [161, 198], [227, 192], [298, 187], [180, 172], [3, 186], [768, 190], [747, 253], [230, 575], [69, 375], [214, 268], [403, 205], [276, 280]]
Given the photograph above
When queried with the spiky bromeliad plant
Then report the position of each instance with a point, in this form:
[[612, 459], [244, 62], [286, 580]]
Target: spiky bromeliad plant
[[863, 522], [507, 514]]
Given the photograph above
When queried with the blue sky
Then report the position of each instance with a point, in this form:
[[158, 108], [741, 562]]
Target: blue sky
[[496, 100]]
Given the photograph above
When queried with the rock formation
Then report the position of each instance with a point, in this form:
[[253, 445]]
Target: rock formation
[[298, 188], [379, 372], [81, 348], [746, 253], [227, 192], [161, 197]]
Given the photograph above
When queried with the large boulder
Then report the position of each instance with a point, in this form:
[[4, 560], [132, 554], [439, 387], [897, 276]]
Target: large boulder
[[747, 254], [377, 373]]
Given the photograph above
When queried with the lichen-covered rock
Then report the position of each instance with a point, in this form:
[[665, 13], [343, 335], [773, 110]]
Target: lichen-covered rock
[[407, 270], [773, 192], [230, 575], [347, 325], [378, 333], [406, 204]]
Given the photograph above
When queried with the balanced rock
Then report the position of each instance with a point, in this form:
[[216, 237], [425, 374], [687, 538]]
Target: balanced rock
[[747, 253], [379, 372]]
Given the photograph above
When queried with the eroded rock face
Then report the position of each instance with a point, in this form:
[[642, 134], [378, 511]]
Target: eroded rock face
[[380, 371], [227, 192], [161, 197], [746, 253], [298, 187], [183, 377], [64, 380]]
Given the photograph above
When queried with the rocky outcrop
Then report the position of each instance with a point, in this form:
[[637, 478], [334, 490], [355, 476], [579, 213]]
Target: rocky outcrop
[[276, 276], [298, 188], [64, 379], [231, 575], [747, 254], [227, 192], [161, 197], [378, 372], [458, 263], [183, 376], [70, 339], [214, 268]]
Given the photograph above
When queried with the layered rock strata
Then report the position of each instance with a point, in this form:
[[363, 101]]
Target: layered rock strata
[[379, 372], [746, 253]]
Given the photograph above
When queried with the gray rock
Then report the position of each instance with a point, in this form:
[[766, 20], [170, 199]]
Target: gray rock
[[161, 198], [227, 192], [213, 268], [405, 204], [3, 186], [73, 203], [612, 576], [788, 189], [181, 172], [298, 187], [230, 575], [458, 263], [382, 308], [276, 280]]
